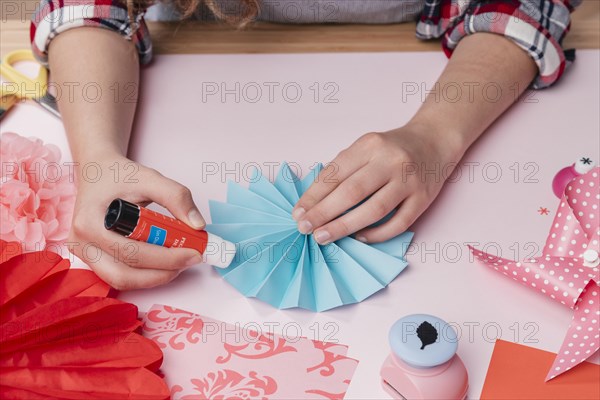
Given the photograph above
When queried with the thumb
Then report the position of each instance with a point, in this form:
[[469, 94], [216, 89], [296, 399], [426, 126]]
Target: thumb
[[176, 198]]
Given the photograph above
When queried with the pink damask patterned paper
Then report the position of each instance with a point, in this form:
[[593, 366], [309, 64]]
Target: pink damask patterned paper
[[209, 359]]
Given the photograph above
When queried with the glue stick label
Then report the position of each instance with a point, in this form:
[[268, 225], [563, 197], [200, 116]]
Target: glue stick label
[[161, 230], [157, 235]]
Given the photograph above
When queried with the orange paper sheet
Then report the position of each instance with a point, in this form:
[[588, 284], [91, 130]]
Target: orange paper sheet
[[518, 372]]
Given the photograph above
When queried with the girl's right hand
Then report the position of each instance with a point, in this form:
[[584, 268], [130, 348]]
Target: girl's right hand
[[121, 262]]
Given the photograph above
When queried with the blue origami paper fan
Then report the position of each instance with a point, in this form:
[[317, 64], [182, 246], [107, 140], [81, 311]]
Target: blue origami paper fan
[[285, 268]]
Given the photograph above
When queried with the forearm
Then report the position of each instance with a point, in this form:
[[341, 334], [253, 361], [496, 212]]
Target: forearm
[[484, 76], [99, 88], [98, 128]]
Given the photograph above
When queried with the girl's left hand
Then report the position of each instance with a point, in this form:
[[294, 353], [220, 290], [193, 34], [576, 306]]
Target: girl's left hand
[[402, 169]]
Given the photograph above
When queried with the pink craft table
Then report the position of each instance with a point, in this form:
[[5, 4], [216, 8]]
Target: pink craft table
[[191, 133]]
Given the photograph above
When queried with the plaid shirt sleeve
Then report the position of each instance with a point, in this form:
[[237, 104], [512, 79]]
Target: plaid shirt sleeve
[[56, 16], [537, 26]]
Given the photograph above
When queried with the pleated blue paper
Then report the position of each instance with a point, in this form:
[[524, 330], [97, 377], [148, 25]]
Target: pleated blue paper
[[285, 268]]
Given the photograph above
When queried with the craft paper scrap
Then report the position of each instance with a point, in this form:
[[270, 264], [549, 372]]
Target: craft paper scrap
[[517, 372], [285, 268], [209, 359], [565, 272]]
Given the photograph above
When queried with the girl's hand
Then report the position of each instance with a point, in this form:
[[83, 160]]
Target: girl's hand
[[387, 170], [124, 263]]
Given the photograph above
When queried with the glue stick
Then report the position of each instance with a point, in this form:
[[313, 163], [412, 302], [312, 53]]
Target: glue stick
[[142, 224]]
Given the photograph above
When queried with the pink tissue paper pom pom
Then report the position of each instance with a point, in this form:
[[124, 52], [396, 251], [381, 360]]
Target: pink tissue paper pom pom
[[37, 193]]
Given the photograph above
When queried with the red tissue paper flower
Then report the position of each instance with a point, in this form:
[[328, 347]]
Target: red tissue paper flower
[[61, 337], [37, 192]]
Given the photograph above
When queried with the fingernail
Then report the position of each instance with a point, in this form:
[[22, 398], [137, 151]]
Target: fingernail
[[322, 237], [197, 259], [298, 213], [305, 227], [361, 239], [196, 219]]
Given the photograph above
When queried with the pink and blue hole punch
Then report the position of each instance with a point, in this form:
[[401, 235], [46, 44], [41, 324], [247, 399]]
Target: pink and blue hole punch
[[423, 363]]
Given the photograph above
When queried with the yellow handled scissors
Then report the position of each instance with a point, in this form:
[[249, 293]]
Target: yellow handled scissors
[[20, 86]]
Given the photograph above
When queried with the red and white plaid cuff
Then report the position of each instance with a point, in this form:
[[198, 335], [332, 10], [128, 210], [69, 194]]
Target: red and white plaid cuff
[[537, 26], [53, 17]]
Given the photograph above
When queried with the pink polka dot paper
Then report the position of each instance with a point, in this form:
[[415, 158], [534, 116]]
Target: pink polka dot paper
[[583, 336], [562, 273], [575, 228]]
